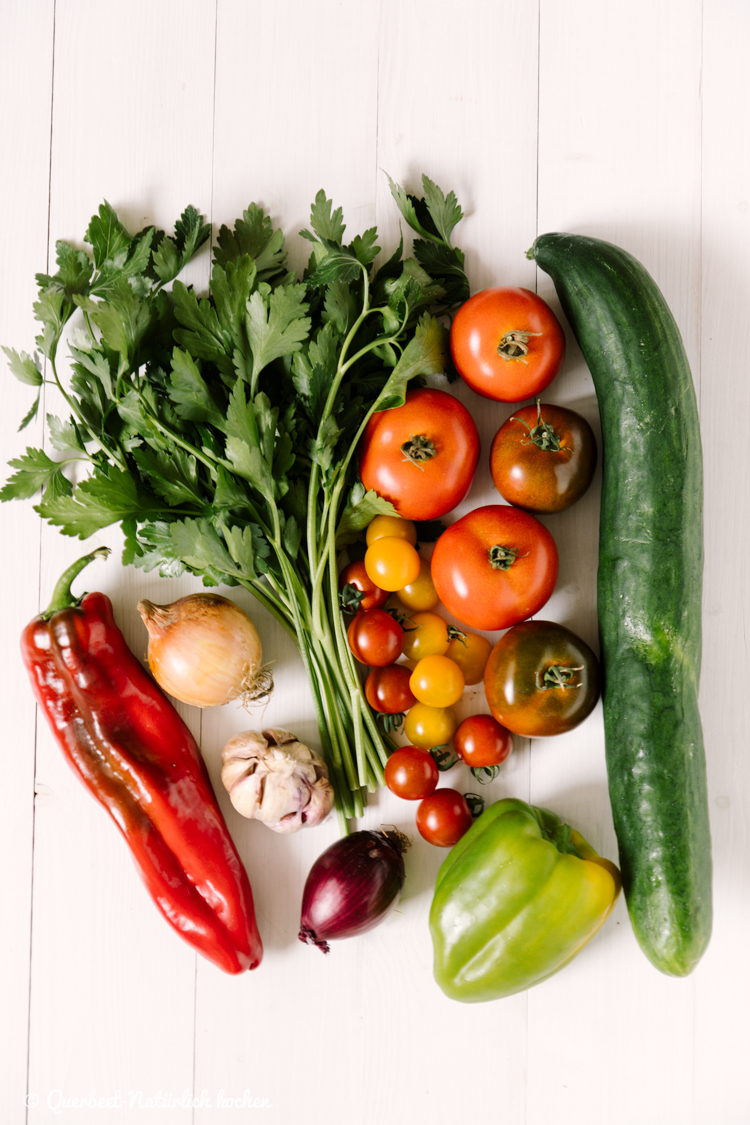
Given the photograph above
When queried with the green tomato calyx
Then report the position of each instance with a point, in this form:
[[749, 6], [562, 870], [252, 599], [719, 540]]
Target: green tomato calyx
[[560, 676], [502, 558], [515, 344], [542, 434], [418, 448]]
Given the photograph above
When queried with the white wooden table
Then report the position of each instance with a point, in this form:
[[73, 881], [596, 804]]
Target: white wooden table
[[626, 121]]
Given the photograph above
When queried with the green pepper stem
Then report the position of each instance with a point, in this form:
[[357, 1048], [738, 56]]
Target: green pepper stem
[[62, 597], [560, 836]]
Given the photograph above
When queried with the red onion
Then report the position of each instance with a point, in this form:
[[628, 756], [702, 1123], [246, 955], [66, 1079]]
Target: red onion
[[352, 886]]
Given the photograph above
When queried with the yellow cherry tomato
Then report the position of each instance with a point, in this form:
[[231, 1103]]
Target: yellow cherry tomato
[[437, 681], [386, 526], [429, 726], [425, 634], [420, 594], [391, 563], [471, 654]]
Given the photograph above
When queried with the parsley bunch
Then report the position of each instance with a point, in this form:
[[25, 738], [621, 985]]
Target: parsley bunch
[[221, 431]]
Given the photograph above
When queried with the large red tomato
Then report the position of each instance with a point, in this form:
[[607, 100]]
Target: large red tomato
[[494, 567], [421, 456], [507, 344]]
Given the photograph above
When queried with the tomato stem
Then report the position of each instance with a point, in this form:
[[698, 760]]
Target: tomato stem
[[542, 434], [560, 676], [390, 721], [475, 803], [443, 757], [502, 558], [515, 344], [418, 448]]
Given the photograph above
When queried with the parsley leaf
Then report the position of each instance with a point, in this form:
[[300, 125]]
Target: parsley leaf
[[31, 414], [201, 334], [254, 236], [365, 246], [105, 498], [278, 328], [25, 369], [64, 436], [198, 545], [243, 448], [327, 223], [108, 237], [34, 470], [173, 474], [444, 210], [249, 549], [189, 391], [74, 270], [360, 510], [425, 354], [156, 550]]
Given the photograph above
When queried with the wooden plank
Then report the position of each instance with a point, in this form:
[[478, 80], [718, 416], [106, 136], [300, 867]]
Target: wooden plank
[[26, 84], [112, 992], [466, 117], [723, 985], [300, 118], [619, 158]]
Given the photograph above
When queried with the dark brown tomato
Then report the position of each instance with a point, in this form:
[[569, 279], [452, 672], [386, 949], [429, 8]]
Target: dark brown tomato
[[541, 679], [543, 458]]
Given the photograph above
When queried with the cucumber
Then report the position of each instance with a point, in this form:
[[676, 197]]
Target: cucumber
[[648, 589]]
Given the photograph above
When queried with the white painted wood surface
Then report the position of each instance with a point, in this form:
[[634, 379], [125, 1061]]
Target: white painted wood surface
[[629, 122]]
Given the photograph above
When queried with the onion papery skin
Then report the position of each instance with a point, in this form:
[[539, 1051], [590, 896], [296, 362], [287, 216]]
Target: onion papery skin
[[203, 649], [352, 886]]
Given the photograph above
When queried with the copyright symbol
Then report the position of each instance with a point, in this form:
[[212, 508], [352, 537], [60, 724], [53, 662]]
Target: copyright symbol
[[31, 1100]]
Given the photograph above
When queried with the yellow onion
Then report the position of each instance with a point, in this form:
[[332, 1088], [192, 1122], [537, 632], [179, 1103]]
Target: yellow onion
[[205, 650]]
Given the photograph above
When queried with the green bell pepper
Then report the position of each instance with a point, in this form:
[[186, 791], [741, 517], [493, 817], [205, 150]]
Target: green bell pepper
[[516, 898]]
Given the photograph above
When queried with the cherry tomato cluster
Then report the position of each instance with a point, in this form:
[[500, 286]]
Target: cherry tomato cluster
[[445, 659]]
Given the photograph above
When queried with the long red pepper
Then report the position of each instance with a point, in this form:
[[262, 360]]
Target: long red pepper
[[128, 744]]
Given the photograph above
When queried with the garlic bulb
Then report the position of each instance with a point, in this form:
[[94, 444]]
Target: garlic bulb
[[272, 777]]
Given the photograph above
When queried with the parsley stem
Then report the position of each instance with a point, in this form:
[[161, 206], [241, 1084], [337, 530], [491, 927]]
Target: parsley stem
[[114, 455], [348, 664]]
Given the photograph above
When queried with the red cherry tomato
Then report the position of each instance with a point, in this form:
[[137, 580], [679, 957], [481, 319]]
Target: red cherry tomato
[[375, 638], [494, 567], [543, 458], [444, 817], [411, 773], [421, 456], [507, 344], [364, 594], [387, 689], [481, 741]]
